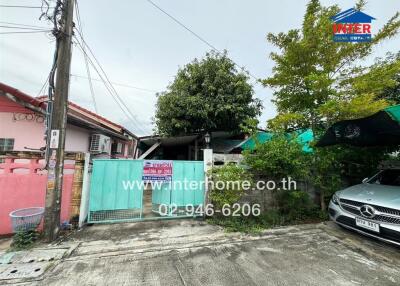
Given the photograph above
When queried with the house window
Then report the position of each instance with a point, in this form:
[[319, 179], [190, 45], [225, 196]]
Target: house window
[[117, 148], [6, 144]]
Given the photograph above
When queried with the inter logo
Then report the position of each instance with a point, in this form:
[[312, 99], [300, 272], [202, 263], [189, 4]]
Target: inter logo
[[352, 26]]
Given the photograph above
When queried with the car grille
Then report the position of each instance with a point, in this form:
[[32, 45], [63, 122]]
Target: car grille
[[386, 215]]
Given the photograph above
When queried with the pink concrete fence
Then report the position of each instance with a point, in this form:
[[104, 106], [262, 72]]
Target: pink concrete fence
[[23, 185]]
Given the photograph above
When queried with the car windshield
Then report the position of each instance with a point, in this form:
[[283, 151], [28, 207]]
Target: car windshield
[[387, 177]]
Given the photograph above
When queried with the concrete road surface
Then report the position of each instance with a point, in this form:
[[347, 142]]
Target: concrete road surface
[[190, 252]]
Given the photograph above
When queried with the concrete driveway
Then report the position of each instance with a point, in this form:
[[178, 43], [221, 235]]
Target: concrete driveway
[[189, 252]]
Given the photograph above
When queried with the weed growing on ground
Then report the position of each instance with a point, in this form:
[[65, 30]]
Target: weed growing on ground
[[24, 239]]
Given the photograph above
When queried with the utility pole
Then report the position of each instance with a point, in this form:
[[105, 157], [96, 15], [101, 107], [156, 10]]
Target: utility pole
[[56, 142]]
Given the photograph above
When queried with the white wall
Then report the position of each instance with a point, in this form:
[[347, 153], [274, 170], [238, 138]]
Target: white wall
[[77, 139]]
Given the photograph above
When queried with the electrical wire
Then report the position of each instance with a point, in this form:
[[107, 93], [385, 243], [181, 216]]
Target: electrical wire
[[119, 84], [43, 88], [22, 28], [199, 37], [110, 91], [86, 60], [25, 32], [109, 86], [21, 6], [45, 10], [133, 117], [121, 104], [23, 25]]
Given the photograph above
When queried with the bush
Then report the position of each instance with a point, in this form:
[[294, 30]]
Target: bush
[[238, 224], [294, 207], [282, 157], [231, 193], [278, 158], [297, 207], [249, 224]]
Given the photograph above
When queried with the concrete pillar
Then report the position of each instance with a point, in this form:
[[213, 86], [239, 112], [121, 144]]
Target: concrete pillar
[[208, 159], [208, 164], [84, 205]]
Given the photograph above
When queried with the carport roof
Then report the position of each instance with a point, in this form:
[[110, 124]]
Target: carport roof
[[183, 139], [168, 141]]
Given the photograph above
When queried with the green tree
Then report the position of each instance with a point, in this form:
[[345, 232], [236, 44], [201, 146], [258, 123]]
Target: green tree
[[392, 94], [389, 70], [317, 82], [367, 89], [312, 73], [207, 94]]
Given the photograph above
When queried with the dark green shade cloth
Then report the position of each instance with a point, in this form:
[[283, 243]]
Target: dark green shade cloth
[[379, 129]]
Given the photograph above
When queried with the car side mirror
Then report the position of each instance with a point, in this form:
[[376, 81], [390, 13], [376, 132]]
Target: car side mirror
[[365, 180]]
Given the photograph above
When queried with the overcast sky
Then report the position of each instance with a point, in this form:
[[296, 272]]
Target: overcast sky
[[139, 46]]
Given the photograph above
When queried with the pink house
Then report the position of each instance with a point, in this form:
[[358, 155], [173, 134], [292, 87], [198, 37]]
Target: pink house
[[23, 181], [22, 127]]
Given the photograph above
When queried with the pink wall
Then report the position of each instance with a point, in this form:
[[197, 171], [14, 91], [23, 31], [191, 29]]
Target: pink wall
[[28, 131], [27, 190]]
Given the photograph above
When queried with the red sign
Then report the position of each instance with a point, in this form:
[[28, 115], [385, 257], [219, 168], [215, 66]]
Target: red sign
[[157, 170]]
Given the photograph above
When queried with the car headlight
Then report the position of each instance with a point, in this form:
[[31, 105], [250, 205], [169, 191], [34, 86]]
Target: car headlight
[[335, 199]]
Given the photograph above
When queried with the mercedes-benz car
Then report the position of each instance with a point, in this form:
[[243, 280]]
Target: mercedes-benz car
[[371, 208]]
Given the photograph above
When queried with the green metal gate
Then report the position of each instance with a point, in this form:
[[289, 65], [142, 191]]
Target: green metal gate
[[186, 189], [116, 191], [109, 200]]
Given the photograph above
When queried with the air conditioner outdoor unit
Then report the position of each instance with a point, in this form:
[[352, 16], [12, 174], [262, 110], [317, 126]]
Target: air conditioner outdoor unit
[[100, 143]]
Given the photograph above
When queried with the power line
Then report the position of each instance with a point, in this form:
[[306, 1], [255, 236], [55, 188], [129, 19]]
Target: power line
[[197, 36], [25, 32], [43, 88], [23, 25], [86, 60], [22, 6], [119, 84], [22, 28], [133, 117], [111, 92], [109, 87]]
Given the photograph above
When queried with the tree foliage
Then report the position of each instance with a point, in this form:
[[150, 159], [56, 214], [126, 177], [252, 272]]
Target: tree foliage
[[207, 94], [317, 82], [313, 75], [388, 72]]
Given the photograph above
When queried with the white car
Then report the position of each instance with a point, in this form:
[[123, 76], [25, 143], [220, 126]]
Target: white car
[[371, 208]]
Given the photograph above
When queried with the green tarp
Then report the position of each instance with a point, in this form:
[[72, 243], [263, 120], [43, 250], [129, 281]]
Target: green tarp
[[394, 112], [303, 137], [260, 137]]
